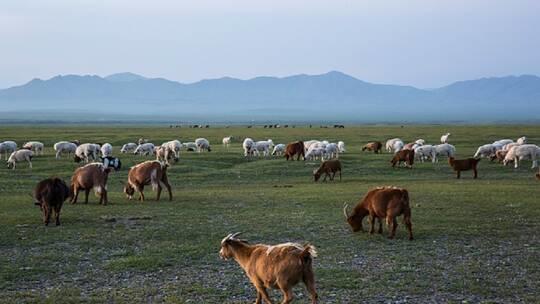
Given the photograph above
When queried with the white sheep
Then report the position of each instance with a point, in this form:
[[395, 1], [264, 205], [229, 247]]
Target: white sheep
[[203, 144], [66, 147], [444, 138], [509, 146], [248, 146], [423, 152], [331, 151], [227, 141], [503, 142], [190, 146], [174, 145], [86, 151], [145, 149], [263, 146], [420, 142], [394, 144], [442, 150], [523, 152], [106, 150], [486, 150], [279, 149], [309, 143], [128, 148], [35, 146], [7, 147], [341, 146], [522, 140], [19, 156], [315, 153]]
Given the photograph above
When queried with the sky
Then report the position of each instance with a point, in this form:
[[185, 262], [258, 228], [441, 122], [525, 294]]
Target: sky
[[423, 43]]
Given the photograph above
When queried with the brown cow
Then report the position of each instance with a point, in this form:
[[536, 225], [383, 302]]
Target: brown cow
[[406, 156], [463, 165], [150, 172], [92, 176], [375, 146], [279, 266], [329, 168], [381, 203], [50, 195], [295, 148]]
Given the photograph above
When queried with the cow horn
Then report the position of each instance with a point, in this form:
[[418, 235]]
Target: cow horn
[[345, 206]]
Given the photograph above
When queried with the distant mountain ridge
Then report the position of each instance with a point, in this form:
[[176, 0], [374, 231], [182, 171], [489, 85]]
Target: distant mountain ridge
[[333, 95]]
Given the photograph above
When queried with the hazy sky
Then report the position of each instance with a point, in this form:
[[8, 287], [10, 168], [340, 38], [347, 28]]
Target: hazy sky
[[424, 43]]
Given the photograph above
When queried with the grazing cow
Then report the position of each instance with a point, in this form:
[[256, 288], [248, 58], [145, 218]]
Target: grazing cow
[[49, 195], [329, 168], [150, 172], [463, 165], [279, 266], [91, 176], [295, 148], [406, 156], [381, 203], [375, 146]]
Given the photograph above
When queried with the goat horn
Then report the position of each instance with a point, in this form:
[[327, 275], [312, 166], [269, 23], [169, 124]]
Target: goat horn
[[235, 235], [345, 206]]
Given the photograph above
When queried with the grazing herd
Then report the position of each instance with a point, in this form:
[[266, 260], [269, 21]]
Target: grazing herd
[[280, 266]]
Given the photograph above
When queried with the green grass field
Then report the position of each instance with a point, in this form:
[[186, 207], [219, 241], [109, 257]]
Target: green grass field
[[475, 240]]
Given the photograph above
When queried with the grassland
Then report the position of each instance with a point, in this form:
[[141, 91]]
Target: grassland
[[476, 240]]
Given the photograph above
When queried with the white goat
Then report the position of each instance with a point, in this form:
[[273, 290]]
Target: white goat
[[35, 146], [263, 146], [203, 144], [279, 149], [7, 147], [522, 140], [128, 148], [331, 151], [315, 153], [227, 141], [248, 146], [503, 141], [341, 146], [19, 156], [86, 151], [106, 150], [486, 150], [174, 145], [190, 146], [442, 150], [394, 145], [424, 152], [66, 147], [523, 152], [145, 149], [444, 138]]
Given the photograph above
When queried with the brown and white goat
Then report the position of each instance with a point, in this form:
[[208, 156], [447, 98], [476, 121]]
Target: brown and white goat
[[50, 195], [279, 266], [464, 165], [381, 203], [375, 146], [91, 176], [329, 168], [406, 156], [295, 148], [150, 172]]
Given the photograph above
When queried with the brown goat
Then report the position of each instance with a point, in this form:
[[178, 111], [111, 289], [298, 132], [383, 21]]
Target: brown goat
[[50, 195], [328, 166], [92, 176], [499, 156], [375, 146], [406, 156], [381, 203], [463, 165], [279, 266], [409, 146], [150, 172], [295, 148]]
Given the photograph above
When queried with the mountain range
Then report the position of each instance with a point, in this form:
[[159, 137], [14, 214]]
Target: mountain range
[[331, 96]]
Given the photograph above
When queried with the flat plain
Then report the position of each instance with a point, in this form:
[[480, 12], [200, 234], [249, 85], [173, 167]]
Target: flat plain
[[476, 241]]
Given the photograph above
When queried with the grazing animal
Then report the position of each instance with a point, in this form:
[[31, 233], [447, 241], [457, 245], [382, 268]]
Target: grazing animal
[[375, 146], [35, 146], [503, 142], [145, 149], [381, 203], [463, 165], [49, 195], [499, 156], [315, 153], [341, 146], [331, 151], [7, 147], [295, 148], [279, 150], [329, 168], [91, 176], [424, 152], [394, 145], [442, 150], [86, 151], [487, 150], [203, 144], [106, 150], [523, 152], [190, 146], [173, 146], [263, 146], [128, 148], [280, 266], [444, 138], [309, 143], [20, 156], [64, 147], [248, 145], [150, 172], [111, 162], [406, 156]]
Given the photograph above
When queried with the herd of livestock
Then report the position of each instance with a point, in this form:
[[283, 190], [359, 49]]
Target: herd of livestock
[[279, 266]]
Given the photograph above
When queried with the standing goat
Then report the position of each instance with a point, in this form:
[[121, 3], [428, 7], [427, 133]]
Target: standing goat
[[150, 172], [50, 195], [463, 165], [279, 266]]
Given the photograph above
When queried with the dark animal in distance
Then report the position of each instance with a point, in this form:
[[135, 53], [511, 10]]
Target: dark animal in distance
[[463, 165], [329, 168], [381, 203], [49, 195], [279, 266]]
